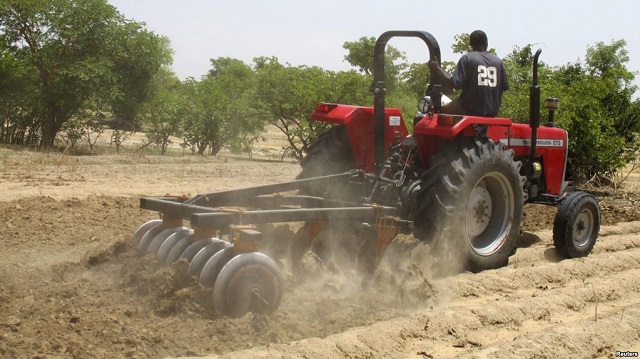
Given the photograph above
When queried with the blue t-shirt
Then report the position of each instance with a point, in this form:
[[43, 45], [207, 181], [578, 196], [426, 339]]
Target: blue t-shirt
[[482, 78]]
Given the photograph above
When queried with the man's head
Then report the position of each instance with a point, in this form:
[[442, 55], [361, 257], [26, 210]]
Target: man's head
[[478, 41]]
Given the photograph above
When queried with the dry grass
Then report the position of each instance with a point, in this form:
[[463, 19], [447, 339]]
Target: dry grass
[[57, 174]]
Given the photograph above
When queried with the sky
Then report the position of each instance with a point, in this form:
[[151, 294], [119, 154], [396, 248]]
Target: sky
[[308, 32]]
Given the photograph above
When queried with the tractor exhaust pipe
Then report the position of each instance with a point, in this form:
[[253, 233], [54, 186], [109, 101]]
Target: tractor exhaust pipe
[[534, 106]]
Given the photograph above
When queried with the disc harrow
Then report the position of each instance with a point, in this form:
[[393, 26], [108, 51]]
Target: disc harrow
[[222, 243]]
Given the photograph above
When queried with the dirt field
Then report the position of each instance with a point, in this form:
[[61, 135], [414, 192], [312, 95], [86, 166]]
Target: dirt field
[[71, 285]]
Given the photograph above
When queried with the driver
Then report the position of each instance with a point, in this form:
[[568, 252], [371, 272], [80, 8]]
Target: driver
[[480, 75]]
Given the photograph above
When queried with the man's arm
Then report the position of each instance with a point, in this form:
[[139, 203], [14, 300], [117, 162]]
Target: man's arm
[[445, 78]]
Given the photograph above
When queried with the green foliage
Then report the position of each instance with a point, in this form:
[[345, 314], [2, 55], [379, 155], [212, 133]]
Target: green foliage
[[72, 132], [21, 117], [70, 53], [226, 117], [241, 124], [600, 116], [63, 63], [202, 116], [349, 87], [138, 56], [518, 65], [214, 113], [286, 95], [416, 78], [595, 146], [85, 127], [607, 62], [360, 55], [597, 108], [164, 113], [118, 137], [461, 45]]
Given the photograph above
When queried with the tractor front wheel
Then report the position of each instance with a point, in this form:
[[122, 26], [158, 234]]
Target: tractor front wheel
[[576, 226]]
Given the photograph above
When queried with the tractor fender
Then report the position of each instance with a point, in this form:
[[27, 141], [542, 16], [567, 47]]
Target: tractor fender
[[360, 126], [444, 125]]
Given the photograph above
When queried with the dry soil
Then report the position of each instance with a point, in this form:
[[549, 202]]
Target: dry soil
[[71, 285]]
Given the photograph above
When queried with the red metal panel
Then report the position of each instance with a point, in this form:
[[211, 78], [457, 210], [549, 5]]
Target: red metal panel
[[429, 126], [359, 122], [552, 146]]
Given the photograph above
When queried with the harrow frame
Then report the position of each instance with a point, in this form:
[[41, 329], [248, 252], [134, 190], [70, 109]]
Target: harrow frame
[[234, 207], [235, 213]]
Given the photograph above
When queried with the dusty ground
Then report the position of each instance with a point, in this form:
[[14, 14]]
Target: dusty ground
[[71, 286]]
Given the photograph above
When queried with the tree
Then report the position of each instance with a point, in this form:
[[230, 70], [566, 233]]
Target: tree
[[416, 78], [73, 51], [85, 126], [164, 113], [21, 117], [600, 114], [118, 137], [348, 87], [220, 111], [360, 55], [286, 96], [518, 65], [596, 109], [139, 54], [240, 125]]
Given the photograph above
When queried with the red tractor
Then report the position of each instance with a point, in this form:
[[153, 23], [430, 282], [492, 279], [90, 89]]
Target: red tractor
[[459, 179], [458, 182]]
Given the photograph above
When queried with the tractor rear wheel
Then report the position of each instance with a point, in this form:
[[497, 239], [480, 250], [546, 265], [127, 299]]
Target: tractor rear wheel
[[330, 154], [473, 205]]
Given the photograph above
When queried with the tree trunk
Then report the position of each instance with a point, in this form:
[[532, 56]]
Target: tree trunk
[[202, 146], [51, 126], [215, 148]]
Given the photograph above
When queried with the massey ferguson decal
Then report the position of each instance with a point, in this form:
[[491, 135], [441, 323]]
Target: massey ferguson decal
[[526, 142]]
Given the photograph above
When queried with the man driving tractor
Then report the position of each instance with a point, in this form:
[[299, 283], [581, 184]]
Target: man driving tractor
[[480, 75]]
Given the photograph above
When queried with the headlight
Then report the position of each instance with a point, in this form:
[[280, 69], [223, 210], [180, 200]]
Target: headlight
[[425, 105]]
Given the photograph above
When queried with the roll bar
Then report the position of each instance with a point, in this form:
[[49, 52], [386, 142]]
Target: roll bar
[[379, 81]]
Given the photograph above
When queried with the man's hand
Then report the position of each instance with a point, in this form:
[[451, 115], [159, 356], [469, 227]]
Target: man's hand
[[445, 78], [434, 65]]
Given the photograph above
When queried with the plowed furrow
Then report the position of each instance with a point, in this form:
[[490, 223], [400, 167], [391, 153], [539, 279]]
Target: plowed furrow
[[538, 306]]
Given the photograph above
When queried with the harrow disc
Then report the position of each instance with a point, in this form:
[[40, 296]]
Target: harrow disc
[[250, 282], [213, 266], [195, 247], [203, 256], [165, 248], [178, 248], [159, 233], [155, 244], [143, 245], [143, 229]]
